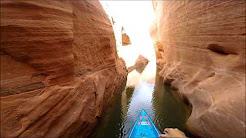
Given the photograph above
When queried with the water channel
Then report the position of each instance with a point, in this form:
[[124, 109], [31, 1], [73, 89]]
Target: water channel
[[161, 103]]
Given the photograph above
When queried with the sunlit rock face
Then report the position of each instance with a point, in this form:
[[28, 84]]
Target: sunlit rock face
[[125, 38], [200, 47], [139, 65], [59, 67]]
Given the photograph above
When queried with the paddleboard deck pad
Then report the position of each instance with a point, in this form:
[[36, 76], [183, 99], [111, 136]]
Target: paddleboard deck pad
[[144, 127]]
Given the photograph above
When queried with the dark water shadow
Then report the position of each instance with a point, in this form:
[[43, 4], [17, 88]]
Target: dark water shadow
[[161, 102]]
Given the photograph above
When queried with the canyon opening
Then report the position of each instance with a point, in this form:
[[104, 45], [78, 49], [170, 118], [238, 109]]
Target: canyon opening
[[89, 68]]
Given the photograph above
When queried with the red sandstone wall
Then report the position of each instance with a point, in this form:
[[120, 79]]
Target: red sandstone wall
[[59, 67], [200, 47]]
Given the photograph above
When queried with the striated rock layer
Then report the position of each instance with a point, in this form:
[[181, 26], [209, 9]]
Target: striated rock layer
[[200, 47], [59, 67]]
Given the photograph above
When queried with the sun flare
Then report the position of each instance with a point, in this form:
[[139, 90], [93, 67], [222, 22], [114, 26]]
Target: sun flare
[[136, 17]]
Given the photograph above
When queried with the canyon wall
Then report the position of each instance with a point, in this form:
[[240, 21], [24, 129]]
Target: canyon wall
[[59, 67], [200, 48]]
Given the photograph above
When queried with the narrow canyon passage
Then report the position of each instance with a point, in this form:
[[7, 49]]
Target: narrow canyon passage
[[144, 90], [161, 102], [86, 68]]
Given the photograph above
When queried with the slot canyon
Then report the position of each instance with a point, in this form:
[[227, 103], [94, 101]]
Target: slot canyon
[[87, 68]]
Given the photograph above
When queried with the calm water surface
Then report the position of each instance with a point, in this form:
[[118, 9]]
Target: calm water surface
[[161, 103]]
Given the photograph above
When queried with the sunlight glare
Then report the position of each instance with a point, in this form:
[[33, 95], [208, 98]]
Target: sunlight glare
[[136, 17]]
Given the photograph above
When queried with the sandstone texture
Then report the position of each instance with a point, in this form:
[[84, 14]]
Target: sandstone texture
[[125, 38], [140, 64], [200, 48], [59, 67]]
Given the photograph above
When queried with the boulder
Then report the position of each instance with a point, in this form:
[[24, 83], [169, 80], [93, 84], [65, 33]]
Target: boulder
[[139, 65], [125, 39], [59, 67]]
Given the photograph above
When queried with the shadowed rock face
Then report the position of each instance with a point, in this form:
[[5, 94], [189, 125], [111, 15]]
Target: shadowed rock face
[[200, 47], [59, 67]]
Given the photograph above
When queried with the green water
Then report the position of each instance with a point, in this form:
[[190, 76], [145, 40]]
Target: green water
[[161, 103]]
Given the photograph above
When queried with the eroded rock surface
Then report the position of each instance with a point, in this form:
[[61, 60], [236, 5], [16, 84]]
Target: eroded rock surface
[[200, 47], [59, 67], [140, 64], [125, 38]]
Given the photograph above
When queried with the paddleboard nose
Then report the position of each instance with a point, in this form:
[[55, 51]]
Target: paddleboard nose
[[144, 127]]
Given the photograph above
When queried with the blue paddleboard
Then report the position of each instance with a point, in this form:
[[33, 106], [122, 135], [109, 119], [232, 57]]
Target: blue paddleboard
[[144, 127]]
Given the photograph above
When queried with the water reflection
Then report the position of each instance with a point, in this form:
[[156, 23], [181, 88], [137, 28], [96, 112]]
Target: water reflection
[[170, 111], [143, 92], [141, 99]]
